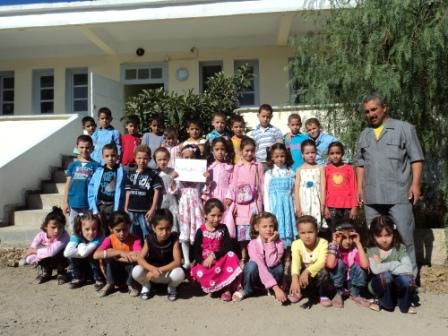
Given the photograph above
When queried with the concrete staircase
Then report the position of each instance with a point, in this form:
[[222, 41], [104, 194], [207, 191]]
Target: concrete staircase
[[27, 220]]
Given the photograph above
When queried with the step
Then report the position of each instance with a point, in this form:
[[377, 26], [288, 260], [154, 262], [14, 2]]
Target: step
[[59, 175], [50, 187], [27, 224], [45, 201], [66, 160]]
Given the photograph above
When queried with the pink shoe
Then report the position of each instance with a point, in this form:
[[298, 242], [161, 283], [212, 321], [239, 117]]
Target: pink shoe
[[325, 302], [294, 298], [226, 296]]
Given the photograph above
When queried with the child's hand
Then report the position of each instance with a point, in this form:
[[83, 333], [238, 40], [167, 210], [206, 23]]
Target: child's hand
[[30, 251], [209, 261], [353, 213], [376, 259], [295, 286], [206, 174], [279, 294], [126, 210], [304, 279], [150, 214], [355, 237], [360, 196], [273, 238], [66, 208], [227, 202], [299, 212], [337, 237], [327, 214], [174, 174]]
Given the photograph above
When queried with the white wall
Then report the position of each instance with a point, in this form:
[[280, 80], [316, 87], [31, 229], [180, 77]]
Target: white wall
[[26, 171]]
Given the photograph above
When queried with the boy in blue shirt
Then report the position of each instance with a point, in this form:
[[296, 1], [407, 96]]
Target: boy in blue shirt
[[294, 139], [219, 127], [106, 187], [105, 134], [322, 139], [79, 173]]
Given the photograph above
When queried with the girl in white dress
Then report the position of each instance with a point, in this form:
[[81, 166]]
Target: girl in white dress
[[310, 185]]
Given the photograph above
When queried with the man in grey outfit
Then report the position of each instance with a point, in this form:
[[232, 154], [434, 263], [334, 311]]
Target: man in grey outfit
[[389, 162]]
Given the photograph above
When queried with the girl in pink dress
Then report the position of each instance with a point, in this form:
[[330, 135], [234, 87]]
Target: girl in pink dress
[[219, 178], [246, 193], [217, 267], [191, 214]]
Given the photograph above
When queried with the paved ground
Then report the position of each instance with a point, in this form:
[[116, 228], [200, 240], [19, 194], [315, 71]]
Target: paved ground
[[49, 309]]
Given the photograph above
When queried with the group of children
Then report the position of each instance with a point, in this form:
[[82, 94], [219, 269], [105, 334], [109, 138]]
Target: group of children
[[252, 226]]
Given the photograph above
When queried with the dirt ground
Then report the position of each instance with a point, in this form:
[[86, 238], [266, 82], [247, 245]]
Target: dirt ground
[[49, 309]]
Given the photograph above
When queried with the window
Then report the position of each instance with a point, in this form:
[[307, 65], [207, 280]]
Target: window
[[144, 74], [7, 92], [250, 95], [77, 90], [206, 71], [43, 91]]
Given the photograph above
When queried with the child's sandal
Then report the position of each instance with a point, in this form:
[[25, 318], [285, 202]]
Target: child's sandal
[[108, 289], [226, 296], [374, 306], [62, 279], [412, 310], [325, 302], [76, 283], [294, 298], [238, 295], [98, 285]]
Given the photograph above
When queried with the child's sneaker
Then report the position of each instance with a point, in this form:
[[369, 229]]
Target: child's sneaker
[[294, 298], [325, 302], [226, 296], [172, 294], [43, 275], [238, 295]]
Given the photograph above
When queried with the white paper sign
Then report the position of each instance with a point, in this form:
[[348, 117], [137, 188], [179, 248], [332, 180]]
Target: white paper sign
[[190, 170]]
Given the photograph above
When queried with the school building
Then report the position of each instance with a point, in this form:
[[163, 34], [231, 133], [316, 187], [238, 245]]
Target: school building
[[61, 60]]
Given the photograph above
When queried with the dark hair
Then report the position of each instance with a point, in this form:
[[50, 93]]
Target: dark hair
[[237, 118], [195, 149], [278, 146], [307, 219], [218, 114], [256, 219], [158, 118], [118, 217], [247, 141], [142, 149], [161, 150], [87, 119], [77, 227], [294, 116], [375, 96], [230, 154], [106, 111], [380, 223], [55, 214], [160, 215], [84, 138], [171, 133], [193, 122], [310, 121], [345, 226], [308, 142], [265, 107], [110, 146], [133, 119], [213, 203], [336, 144]]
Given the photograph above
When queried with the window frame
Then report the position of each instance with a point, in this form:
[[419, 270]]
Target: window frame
[[149, 66], [70, 89], [203, 64], [37, 101], [255, 64], [3, 76]]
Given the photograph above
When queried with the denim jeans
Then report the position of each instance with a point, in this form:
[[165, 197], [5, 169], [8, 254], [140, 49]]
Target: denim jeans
[[357, 278], [338, 216], [251, 277], [118, 273], [139, 225], [83, 268], [390, 288]]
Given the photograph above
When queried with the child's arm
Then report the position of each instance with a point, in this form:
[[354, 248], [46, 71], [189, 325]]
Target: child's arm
[[363, 260], [54, 248], [322, 189], [226, 246], [177, 259], [322, 251], [91, 197], [353, 190], [377, 266], [142, 261], [279, 136], [126, 201], [106, 251], [260, 175], [66, 190], [37, 241], [267, 180], [155, 203], [296, 266], [333, 251], [197, 247], [405, 265], [297, 193], [117, 141]]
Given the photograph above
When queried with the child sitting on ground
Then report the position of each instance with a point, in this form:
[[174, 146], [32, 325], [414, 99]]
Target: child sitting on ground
[[105, 134], [347, 264], [264, 270], [130, 141], [309, 254], [160, 259], [85, 240], [47, 248], [119, 251]]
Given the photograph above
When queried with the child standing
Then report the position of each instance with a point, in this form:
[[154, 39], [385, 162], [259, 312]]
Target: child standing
[[88, 128], [219, 127], [264, 269], [219, 178], [154, 138], [119, 251], [278, 192], [106, 188], [322, 139], [246, 193], [191, 213], [79, 173], [391, 267], [293, 140], [340, 185], [309, 253], [167, 174], [160, 259], [238, 125], [130, 141], [264, 134], [310, 185], [47, 247], [85, 240], [194, 132], [104, 134], [143, 190], [172, 144], [347, 264], [217, 267]]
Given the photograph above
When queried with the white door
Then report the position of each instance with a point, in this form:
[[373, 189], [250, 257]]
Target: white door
[[106, 92]]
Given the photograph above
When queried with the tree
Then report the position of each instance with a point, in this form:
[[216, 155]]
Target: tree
[[397, 48]]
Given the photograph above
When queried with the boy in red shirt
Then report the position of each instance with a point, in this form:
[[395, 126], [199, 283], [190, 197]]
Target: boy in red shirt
[[130, 141]]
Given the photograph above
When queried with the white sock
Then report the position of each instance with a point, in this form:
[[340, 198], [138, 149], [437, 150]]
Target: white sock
[[186, 253], [145, 289]]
